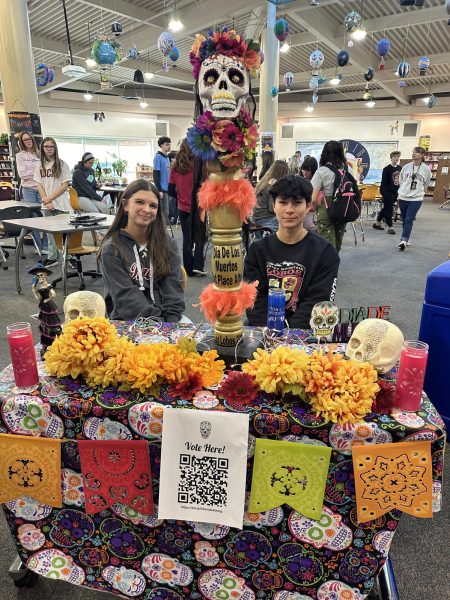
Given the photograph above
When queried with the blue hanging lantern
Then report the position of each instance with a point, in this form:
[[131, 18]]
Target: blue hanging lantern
[[402, 83], [423, 64], [314, 83], [103, 52], [174, 54], [383, 47], [281, 29], [315, 98], [274, 91], [432, 101], [316, 59], [369, 74], [403, 69], [165, 45], [116, 28], [288, 80], [352, 20], [343, 58], [44, 74]]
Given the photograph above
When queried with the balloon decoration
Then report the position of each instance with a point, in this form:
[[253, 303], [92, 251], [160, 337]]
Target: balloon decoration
[[105, 55], [133, 52], [316, 59], [383, 47], [423, 64], [369, 74], [165, 45], [314, 82], [432, 100], [352, 20], [274, 91], [281, 29], [44, 74], [174, 54], [321, 80], [138, 76], [288, 80], [343, 58], [403, 69], [116, 28]]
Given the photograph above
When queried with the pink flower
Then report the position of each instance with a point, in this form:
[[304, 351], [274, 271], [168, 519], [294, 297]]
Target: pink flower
[[232, 138], [251, 136], [217, 134], [232, 160], [206, 120], [245, 117]]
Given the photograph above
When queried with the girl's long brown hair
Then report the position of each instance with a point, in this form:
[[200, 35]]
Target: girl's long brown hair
[[184, 161], [157, 238], [276, 171], [22, 145], [57, 165]]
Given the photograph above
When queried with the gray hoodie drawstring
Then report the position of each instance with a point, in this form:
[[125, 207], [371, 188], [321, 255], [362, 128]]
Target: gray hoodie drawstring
[[139, 270]]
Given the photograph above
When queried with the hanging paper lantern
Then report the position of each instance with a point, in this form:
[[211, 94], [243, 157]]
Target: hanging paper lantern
[[343, 58], [402, 83], [288, 80], [315, 97], [432, 100], [138, 76], [103, 52], [383, 47], [367, 95], [44, 74], [368, 74], [133, 52], [274, 92], [116, 28], [174, 54], [350, 43], [316, 59], [403, 69], [165, 45], [423, 64], [352, 20], [314, 83], [281, 29]]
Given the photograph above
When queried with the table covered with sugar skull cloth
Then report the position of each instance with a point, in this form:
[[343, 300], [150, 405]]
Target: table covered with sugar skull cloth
[[279, 554]]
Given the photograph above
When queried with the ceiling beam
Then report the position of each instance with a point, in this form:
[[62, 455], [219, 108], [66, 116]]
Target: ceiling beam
[[312, 22], [121, 8]]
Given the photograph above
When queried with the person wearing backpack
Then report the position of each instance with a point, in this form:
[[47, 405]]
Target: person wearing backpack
[[336, 197]]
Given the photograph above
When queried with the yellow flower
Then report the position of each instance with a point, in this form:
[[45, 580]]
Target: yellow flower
[[142, 366], [112, 370], [279, 371], [209, 367]]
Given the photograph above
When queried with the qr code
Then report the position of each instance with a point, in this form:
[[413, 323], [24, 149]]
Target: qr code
[[203, 480]]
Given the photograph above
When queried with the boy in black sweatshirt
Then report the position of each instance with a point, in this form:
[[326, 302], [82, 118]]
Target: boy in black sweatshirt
[[300, 262], [389, 190]]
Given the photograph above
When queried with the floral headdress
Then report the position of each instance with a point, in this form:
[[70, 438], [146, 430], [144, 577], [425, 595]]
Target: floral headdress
[[221, 40]]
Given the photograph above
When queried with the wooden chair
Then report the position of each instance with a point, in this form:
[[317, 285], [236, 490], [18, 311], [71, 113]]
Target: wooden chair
[[446, 197], [76, 250], [184, 274], [76, 209]]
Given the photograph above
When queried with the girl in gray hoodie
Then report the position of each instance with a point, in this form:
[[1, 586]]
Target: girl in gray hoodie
[[140, 262]]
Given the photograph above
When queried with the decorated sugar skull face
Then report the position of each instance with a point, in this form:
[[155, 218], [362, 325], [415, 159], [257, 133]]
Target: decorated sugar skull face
[[206, 554], [30, 537], [324, 318], [223, 86], [247, 548], [28, 508], [71, 528], [56, 565], [165, 569], [377, 342], [223, 583], [209, 531], [84, 304], [127, 581], [327, 532]]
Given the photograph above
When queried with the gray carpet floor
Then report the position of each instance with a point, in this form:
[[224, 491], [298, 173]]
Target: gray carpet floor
[[372, 273]]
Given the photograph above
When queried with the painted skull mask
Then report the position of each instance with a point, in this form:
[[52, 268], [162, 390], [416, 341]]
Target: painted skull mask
[[324, 318], [223, 85], [377, 342]]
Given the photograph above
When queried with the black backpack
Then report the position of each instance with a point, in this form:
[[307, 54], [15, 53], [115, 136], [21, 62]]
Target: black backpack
[[345, 205]]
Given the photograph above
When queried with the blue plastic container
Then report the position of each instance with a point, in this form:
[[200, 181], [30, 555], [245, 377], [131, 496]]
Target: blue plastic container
[[435, 331]]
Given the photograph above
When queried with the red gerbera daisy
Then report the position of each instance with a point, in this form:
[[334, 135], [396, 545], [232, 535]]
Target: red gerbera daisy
[[385, 398], [238, 387], [186, 389]]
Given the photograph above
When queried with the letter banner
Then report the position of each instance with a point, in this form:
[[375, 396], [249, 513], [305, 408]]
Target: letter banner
[[116, 471], [289, 473], [203, 466], [30, 466], [389, 476]]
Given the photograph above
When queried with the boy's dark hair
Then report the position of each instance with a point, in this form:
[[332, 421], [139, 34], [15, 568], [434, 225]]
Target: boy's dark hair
[[164, 140], [310, 164], [395, 153], [292, 186], [333, 152]]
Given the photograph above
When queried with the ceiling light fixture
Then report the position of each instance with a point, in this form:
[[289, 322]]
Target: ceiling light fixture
[[358, 34], [175, 24], [370, 104], [90, 62], [148, 75], [143, 103], [309, 108], [426, 99], [335, 81], [88, 96], [284, 47]]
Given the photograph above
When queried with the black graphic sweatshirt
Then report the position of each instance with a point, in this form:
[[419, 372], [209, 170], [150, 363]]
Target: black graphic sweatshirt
[[307, 271], [84, 183], [131, 290]]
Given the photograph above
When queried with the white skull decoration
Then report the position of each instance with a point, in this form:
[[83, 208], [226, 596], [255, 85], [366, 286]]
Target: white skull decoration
[[84, 304], [324, 318], [224, 85], [377, 342], [205, 429]]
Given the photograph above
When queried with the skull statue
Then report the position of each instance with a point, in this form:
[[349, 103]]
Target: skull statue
[[84, 304], [324, 318], [377, 342], [223, 86]]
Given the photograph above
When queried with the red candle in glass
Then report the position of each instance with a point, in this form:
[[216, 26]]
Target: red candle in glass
[[411, 374], [23, 356]]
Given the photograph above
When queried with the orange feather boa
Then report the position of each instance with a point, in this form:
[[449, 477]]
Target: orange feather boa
[[238, 193], [215, 302]]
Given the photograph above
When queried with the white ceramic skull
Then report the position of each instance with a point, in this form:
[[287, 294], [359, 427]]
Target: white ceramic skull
[[377, 342], [324, 318], [84, 304], [223, 86]]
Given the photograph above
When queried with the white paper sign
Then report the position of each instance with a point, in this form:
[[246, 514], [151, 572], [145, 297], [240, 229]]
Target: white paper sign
[[203, 466]]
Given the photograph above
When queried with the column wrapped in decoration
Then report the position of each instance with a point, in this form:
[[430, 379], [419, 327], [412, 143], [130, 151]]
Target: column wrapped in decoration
[[225, 136]]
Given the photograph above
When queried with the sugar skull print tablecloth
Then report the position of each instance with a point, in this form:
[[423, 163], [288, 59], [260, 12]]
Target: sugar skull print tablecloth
[[279, 555]]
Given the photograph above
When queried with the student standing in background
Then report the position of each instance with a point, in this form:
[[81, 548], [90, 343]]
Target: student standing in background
[[161, 171], [389, 190]]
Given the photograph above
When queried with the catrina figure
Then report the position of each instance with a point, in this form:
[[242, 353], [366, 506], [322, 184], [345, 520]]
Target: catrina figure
[[49, 321]]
